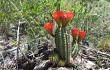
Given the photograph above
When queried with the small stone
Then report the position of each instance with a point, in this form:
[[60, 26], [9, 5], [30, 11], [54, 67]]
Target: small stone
[[89, 64], [61, 68]]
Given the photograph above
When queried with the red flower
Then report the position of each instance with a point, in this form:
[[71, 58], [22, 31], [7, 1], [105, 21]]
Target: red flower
[[48, 27], [62, 18], [67, 17], [74, 32], [58, 16], [81, 35]]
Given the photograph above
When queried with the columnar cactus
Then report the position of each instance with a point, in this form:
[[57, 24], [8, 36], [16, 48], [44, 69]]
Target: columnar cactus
[[61, 36], [62, 43]]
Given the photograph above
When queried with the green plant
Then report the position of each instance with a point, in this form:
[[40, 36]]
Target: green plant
[[62, 37], [104, 44]]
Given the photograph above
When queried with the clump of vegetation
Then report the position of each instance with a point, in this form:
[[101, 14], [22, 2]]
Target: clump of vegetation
[[62, 38], [104, 44], [25, 20]]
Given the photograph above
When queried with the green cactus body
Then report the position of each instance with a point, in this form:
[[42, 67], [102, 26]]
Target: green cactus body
[[67, 47], [53, 57], [75, 50], [62, 43], [62, 38]]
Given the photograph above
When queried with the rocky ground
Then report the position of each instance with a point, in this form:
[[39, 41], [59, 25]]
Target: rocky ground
[[88, 58]]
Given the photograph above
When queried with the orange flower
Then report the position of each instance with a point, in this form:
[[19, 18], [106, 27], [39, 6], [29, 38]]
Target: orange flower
[[48, 27], [81, 35], [74, 32]]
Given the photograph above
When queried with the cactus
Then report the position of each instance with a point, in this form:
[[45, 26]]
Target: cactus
[[62, 43], [75, 50], [62, 37]]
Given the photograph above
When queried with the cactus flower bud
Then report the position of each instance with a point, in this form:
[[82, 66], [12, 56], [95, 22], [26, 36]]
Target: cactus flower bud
[[74, 32], [81, 35]]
